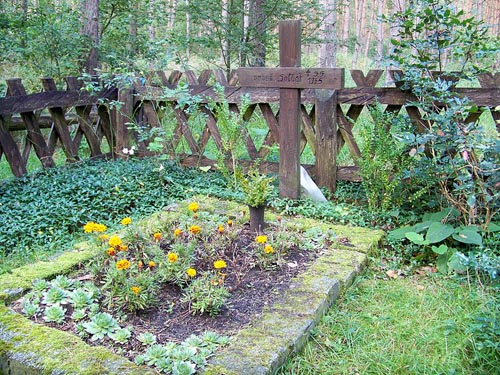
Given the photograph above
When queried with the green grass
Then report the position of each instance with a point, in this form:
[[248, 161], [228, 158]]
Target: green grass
[[410, 325]]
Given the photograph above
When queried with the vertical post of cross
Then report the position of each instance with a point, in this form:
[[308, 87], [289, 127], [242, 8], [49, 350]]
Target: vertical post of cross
[[289, 114]]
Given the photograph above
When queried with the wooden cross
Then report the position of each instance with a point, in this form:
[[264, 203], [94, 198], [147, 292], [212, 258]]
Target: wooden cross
[[290, 79]]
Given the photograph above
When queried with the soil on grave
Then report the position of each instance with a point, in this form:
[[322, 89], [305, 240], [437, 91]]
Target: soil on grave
[[252, 288]]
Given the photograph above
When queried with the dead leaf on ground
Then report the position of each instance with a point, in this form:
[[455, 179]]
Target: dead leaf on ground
[[392, 274]]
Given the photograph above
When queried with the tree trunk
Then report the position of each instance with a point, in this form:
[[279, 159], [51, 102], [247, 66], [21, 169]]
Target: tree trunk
[[359, 24], [91, 30], [369, 27], [258, 25], [380, 33], [328, 49], [188, 31], [172, 8], [345, 27]]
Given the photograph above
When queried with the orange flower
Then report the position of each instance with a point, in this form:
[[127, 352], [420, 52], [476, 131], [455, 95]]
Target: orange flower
[[195, 216], [140, 264], [111, 251], [191, 272], [122, 264], [220, 228], [136, 290], [157, 236], [194, 229], [268, 249], [123, 247], [177, 232], [172, 257]]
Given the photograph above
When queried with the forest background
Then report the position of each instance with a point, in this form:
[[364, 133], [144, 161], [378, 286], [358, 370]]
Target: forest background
[[67, 37]]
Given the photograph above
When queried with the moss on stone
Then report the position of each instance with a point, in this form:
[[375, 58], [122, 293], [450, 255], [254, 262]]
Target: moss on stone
[[30, 346]]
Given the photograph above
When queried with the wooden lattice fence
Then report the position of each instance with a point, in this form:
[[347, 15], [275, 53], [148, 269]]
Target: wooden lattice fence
[[73, 117]]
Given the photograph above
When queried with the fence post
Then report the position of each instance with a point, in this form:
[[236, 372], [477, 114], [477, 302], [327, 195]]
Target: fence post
[[326, 139], [10, 150], [124, 115]]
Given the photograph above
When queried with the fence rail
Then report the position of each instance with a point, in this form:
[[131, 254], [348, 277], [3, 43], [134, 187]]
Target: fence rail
[[39, 121]]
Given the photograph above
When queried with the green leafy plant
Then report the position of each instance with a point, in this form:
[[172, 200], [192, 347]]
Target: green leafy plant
[[54, 296], [205, 294], [80, 299], [30, 309], [101, 325], [55, 314], [121, 335], [147, 338], [441, 238], [437, 46], [383, 160]]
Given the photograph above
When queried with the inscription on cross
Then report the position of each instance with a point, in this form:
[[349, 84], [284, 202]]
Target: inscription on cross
[[291, 79]]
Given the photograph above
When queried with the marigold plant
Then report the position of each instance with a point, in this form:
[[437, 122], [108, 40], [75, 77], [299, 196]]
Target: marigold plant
[[218, 264], [261, 239], [172, 257], [191, 272], [115, 241], [193, 207], [93, 227], [126, 221], [268, 249], [122, 264], [194, 229]]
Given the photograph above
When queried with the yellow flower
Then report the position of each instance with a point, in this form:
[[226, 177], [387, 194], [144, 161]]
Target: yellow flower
[[218, 264], [157, 236], [172, 257], [100, 228], [140, 264], [135, 289], [151, 264], [89, 227], [126, 221], [123, 247], [261, 239], [191, 272], [229, 222], [193, 207], [115, 241], [194, 229], [94, 227], [220, 228], [122, 264], [268, 249], [177, 232]]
